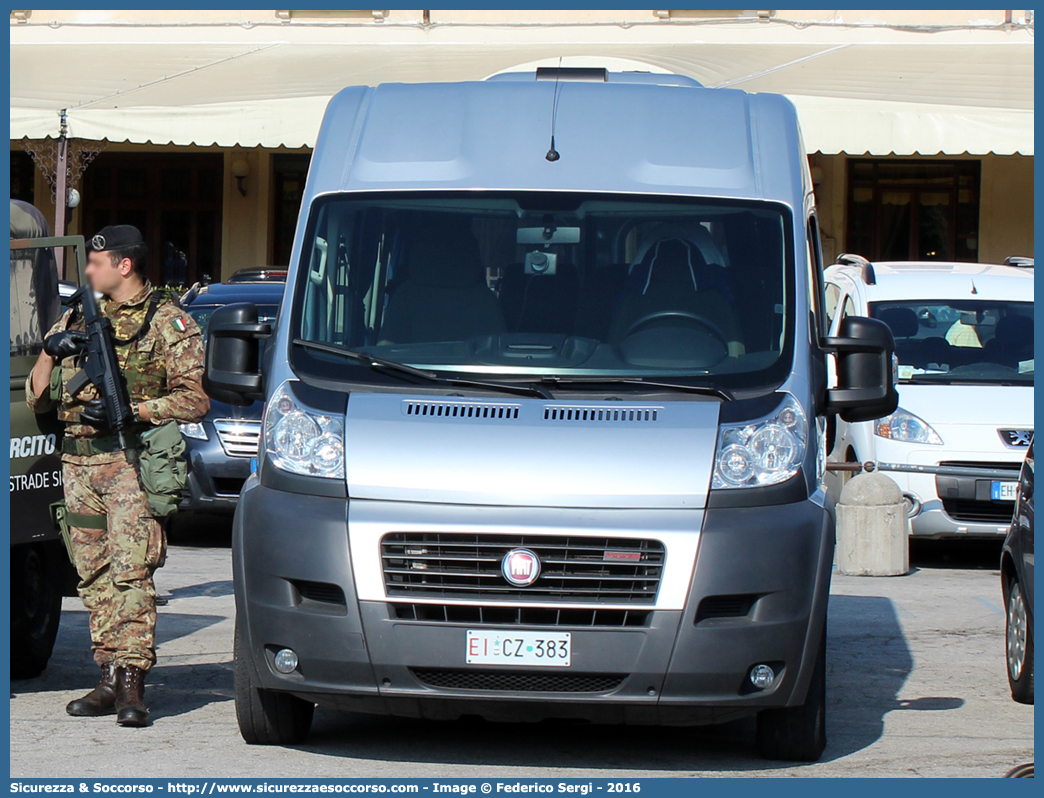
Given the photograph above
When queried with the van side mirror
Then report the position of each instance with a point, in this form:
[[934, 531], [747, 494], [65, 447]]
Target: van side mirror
[[865, 375], [233, 354]]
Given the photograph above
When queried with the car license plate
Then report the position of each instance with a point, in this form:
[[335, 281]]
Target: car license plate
[[519, 648], [1004, 491]]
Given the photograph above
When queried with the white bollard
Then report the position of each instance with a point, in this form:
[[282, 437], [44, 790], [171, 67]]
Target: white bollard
[[872, 528]]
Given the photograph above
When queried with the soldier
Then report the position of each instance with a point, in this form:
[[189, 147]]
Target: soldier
[[117, 544]]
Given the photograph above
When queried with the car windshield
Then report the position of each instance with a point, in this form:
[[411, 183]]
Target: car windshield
[[202, 313], [550, 286], [960, 341]]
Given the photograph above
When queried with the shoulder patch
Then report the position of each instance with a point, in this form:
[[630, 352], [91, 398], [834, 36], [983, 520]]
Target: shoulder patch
[[180, 324]]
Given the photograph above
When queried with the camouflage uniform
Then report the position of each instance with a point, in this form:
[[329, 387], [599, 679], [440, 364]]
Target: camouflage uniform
[[163, 369]]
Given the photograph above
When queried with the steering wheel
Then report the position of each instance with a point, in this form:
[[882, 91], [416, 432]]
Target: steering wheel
[[692, 318]]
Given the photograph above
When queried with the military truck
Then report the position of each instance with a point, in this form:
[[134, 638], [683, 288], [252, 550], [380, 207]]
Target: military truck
[[41, 572]]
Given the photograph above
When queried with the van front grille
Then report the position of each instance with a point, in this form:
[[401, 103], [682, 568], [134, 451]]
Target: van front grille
[[455, 565], [988, 466], [517, 616], [970, 511], [520, 682]]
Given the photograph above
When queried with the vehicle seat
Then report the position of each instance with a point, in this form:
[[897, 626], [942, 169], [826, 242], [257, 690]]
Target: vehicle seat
[[537, 303], [601, 287], [674, 276], [1012, 342], [904, 326], [937, 351], [444, 296]]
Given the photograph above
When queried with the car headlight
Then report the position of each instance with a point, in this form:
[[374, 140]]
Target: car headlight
[[906, 427], [763, 452], [301, 440], [197, 431]]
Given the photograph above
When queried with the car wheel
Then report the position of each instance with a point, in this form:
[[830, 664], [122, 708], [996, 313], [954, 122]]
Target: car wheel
[[797, 734], [267, 717], [1019, 638], [36, 606]]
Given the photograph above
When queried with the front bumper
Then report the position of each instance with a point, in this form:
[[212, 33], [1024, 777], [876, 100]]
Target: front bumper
[[214, 480], [297, 589], [953, 506]]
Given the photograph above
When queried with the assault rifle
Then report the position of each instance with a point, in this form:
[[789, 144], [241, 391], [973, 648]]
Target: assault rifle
[[101, 368]]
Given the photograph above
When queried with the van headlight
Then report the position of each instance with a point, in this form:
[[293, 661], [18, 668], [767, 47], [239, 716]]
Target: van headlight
[[763, 452], [301, 440], [906, 427]]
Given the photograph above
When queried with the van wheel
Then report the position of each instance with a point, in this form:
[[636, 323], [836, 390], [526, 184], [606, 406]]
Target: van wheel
[[1019, 638], [36, 606], [798, 734], [267, 717]]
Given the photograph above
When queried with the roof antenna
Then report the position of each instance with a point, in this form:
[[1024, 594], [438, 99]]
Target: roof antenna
[[552, 154]]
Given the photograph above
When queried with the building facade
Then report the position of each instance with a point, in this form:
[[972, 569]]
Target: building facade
[[197, 125]]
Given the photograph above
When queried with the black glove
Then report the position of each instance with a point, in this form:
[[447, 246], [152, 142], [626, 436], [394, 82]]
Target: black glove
[[93, 413], [66, 344]]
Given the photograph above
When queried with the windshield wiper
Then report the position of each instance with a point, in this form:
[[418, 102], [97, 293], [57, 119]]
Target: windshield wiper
[[400, 369], [705, 390]]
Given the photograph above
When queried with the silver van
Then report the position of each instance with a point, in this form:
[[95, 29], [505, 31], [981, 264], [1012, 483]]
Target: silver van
[[546, 414]]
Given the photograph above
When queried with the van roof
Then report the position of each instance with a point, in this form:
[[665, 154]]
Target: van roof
[[613, 136]]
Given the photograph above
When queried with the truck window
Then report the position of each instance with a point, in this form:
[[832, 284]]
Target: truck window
[[34, 299], [523, 286]]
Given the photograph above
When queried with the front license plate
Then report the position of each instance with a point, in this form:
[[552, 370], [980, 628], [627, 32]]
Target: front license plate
[[1004, 491], [519, 648]]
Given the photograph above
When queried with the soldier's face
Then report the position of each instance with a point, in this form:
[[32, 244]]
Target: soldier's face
[[103, 275]]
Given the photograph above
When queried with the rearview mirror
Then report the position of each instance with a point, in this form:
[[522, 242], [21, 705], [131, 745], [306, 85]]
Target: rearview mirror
[[233, 354], [865, 375], [548, 235]]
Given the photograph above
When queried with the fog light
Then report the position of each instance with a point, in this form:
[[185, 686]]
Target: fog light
[[286, 662], [761, 676]]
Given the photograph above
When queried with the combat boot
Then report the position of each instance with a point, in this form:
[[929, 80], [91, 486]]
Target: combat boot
[[130, 697], [101, 700]]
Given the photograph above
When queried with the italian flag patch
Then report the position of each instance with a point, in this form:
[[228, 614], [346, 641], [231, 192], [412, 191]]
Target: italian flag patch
[[179, 324]]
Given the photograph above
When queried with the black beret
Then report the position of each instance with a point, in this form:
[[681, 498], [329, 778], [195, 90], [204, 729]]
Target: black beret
[[115, 236]]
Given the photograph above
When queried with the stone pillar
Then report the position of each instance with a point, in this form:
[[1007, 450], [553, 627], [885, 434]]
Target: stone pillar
[[872, 528]]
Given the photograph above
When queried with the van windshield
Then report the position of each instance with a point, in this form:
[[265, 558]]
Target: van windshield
[[533, 286], [961, 341]]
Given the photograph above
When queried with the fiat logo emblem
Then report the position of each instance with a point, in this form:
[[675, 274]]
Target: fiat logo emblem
[[520, 567]]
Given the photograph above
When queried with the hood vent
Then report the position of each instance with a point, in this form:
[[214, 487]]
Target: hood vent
[[462, 410], [601, 413]]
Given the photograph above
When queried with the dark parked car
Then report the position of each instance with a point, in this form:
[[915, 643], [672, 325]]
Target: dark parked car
[[259, 275], [222, 449], [1017, 583]]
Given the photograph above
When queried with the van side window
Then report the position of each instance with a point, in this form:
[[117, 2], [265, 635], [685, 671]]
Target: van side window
[[815, 268]]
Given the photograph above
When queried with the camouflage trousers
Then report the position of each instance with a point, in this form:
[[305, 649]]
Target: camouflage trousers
[[115, 564]]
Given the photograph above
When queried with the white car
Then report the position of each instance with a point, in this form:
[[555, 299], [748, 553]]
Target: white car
[[964, 344]]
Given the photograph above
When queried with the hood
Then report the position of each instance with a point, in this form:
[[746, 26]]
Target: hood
[[988, 405], [530, 452]]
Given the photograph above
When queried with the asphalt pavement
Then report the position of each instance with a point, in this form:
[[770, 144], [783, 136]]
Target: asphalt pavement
[[916, 687]]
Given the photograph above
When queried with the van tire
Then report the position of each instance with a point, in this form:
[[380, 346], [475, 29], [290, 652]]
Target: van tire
[[36, 605], [267, 717], [798, 734]]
